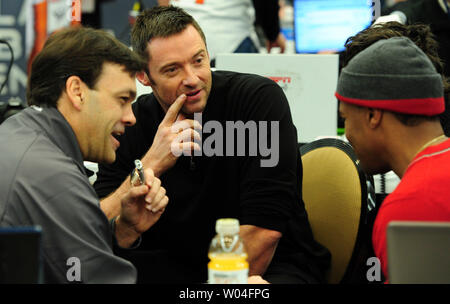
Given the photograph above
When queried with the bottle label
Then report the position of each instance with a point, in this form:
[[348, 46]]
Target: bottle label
[[227, 277]]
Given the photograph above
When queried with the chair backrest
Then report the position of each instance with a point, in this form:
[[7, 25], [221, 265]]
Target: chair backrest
[[340, 201], [418, 252]]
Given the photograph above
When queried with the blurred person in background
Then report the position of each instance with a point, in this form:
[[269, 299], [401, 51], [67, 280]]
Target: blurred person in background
[[435, 13], [229, 26]]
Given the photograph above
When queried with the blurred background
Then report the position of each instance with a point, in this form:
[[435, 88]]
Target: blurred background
[[25, 25]]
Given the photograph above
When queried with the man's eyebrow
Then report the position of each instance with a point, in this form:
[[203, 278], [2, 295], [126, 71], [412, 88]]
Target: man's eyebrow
[[198, 53], [174, 63], [167, 65]]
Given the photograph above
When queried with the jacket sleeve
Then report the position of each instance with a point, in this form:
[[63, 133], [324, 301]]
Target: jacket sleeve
[[76, 240], [266, 12]]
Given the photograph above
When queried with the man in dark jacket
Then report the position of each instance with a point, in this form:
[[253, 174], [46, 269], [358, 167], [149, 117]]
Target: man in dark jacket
[[80, 90]]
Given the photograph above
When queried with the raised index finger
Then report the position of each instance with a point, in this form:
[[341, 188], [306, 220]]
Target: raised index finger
[[174, 109]]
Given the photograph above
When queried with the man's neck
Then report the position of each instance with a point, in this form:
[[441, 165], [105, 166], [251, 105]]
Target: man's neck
[[408, 142]]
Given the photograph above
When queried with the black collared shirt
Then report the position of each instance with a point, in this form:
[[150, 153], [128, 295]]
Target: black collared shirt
[[175, 249]]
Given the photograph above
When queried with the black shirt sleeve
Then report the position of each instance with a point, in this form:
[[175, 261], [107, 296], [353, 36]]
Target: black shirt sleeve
[[268, 181], [271, 196], [266, 12]]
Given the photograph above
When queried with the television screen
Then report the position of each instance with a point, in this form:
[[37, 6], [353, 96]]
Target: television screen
[[325, 25]]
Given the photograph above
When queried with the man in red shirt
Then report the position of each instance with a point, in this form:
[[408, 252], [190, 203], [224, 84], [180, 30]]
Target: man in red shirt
[[390, 99]]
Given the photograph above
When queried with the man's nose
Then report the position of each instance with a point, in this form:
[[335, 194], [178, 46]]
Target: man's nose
[[128, 117], [190, 77]]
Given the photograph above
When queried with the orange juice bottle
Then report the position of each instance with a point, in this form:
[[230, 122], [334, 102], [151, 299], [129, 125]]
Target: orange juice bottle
[[228, 263]]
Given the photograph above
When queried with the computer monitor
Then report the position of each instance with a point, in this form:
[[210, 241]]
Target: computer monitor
[[20, 255], [325, 25], [418, 252]]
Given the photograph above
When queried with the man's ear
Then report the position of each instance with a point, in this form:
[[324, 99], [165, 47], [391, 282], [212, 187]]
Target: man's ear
[[75, 91], [143, 78], [374, 117]]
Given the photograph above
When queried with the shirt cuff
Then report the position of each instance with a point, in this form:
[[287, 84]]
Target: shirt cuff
[[135, 245]]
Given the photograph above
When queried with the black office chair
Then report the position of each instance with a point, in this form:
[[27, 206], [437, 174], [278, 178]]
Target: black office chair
[[340, 202]]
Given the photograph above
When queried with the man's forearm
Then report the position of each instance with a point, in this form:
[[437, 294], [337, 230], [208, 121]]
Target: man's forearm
[[153, 163], [260, 244], [111, 204], [125, 236]]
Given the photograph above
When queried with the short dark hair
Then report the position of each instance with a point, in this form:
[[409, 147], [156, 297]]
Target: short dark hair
[[76, 51], [157, 22], [420, 34]]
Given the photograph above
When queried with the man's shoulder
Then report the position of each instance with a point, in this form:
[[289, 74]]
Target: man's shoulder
[[419, 183], [243, 86], [33, 164], [43, 158], [249, 96], [22, 140], [237, 78], [147, 109], [30, 151], [145, 102]]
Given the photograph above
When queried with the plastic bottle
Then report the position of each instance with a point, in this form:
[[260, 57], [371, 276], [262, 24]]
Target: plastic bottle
[[228, 263]]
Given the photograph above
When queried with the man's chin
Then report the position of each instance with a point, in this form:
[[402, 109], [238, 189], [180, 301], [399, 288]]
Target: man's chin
[[107, 159], [111, 159], [189, 110]]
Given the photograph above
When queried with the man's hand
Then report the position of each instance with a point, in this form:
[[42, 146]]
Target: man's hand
[[160, 157], [256, 279], [175, 133], [141, 208], [280, 42]]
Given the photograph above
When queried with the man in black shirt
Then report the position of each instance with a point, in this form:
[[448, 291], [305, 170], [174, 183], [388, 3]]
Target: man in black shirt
[[213, 179]]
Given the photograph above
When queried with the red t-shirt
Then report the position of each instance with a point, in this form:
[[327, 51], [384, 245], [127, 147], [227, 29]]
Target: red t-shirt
[[423, 194]]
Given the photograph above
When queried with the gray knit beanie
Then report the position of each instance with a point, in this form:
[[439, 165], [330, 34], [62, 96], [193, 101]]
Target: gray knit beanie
[[395, 75]]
